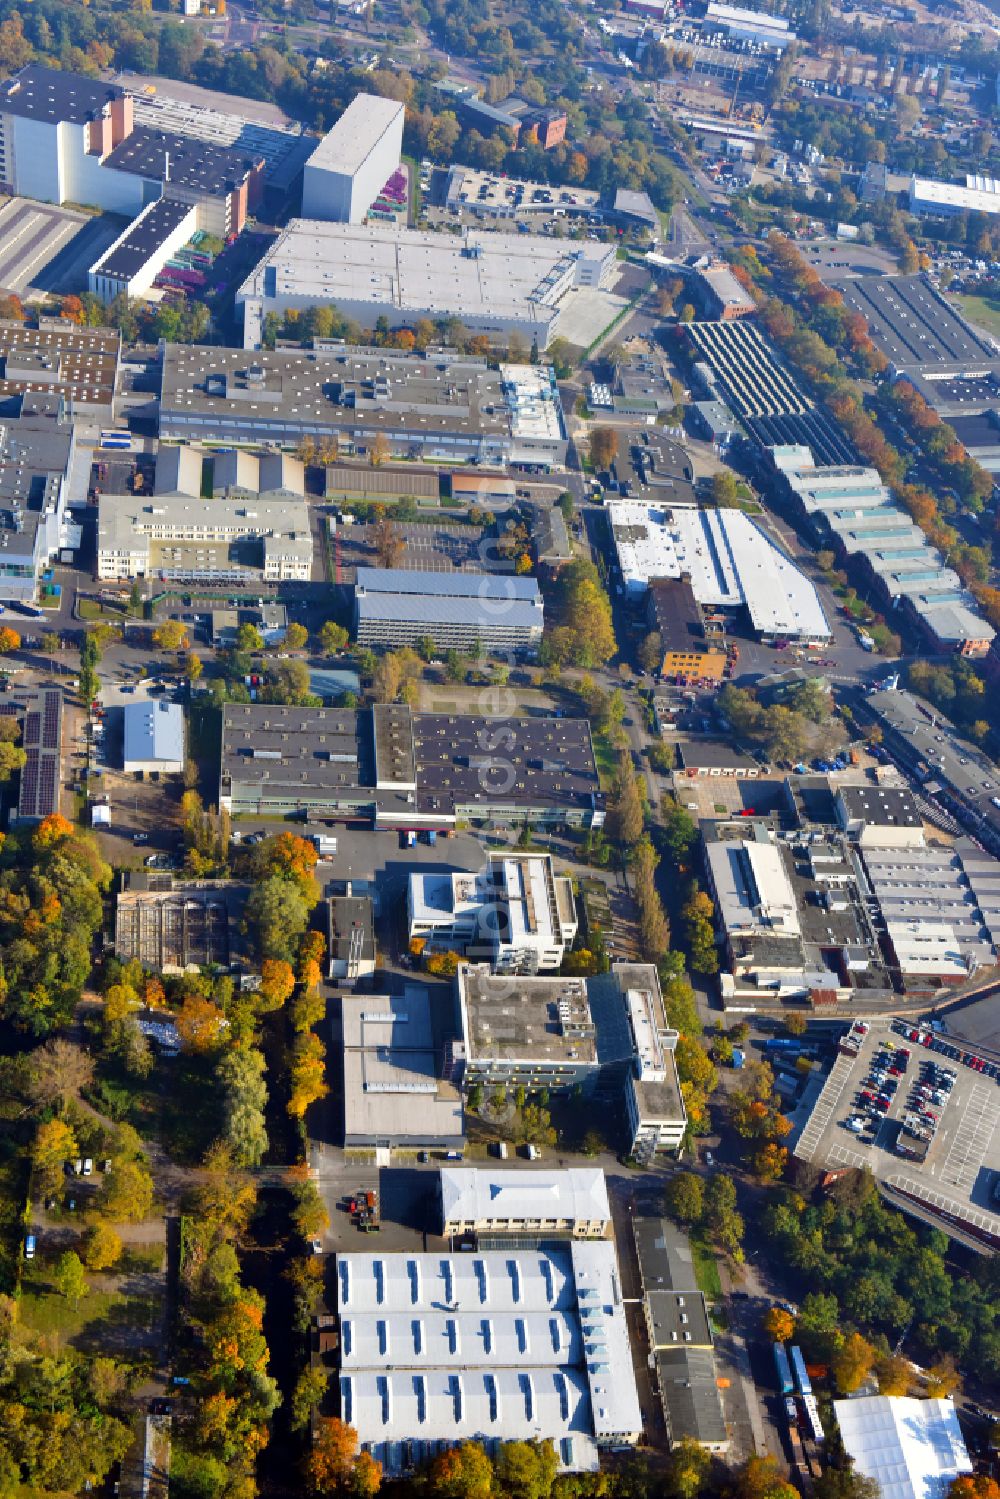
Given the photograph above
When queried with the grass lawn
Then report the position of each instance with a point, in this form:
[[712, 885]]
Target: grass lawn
[[93, 609], [984, 311], [706, 1269], [103, 1319], [607, 759]]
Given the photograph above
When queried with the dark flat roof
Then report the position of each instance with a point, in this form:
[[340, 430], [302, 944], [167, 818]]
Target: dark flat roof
[[39, 93], [881, 806], [676, 613], [195, 164], [144, 237]]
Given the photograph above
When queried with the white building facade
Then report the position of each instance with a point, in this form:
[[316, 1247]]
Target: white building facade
[[354, 161]]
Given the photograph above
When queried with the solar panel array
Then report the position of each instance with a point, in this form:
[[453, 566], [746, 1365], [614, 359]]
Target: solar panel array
[[41, 738]]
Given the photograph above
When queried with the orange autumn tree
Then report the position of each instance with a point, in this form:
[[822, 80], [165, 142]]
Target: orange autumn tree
[[336, 1464], [199, 1024]]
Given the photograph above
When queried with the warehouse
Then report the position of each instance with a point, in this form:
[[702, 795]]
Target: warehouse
[[132, 263], [760, 390], [470, 612], [915, 327], [406, 770], [731, 564], [496, 284], [680, 1336], [848, 507], [945, 200], [353, 162], [516, 913], [487, 1346], [154, 737], [686, 653], [444, 406], [395, 1096], [749, 25]]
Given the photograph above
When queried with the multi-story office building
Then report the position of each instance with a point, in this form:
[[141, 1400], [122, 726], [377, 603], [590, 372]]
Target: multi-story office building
[[37, 458], [459, 610], [516, 913]]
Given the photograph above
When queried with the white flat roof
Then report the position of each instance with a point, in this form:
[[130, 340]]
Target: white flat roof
[[912, 1448], [347, 146], [471, 1194], [494, 1345], [736, 15], [478, 272], [933, 194], [730, 561]]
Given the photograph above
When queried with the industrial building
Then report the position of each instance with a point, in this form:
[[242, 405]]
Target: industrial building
[[396, 1093], [913, 1449], [350, 938], [60, 359], [65, 138], [462, 611], [485, 1202], [132, 263], [732, 565], [516, 913], [40, 785], [39, 463], [353, 162], [495, 284], [724, 295], [654, 1103], [848, 508], [438, 1349], [407, 770], [760, 390], [749, 25], [179, 538], [437, 405], [955, 773], [154, 737], [680, 1336], [945, 200], [688, 653]]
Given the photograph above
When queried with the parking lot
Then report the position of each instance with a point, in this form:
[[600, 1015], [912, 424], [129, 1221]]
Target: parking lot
[[45, 248], [911, 1104], [434, 547]]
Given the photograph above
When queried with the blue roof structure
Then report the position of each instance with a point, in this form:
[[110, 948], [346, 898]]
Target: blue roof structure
[[468, 598], [154, 731]]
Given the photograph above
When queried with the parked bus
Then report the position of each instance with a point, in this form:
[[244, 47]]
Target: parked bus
[[116, 438]]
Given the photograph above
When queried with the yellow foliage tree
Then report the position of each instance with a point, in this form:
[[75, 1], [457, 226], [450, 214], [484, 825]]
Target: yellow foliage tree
[[307, 1074]]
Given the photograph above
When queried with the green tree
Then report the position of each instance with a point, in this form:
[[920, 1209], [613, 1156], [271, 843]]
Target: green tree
[[684, 1198], [526, 1470], [310, 1388], [687, 1469], [333, 638], [70, 1278], [240, 1072], [277, 913], [725, 491], [249, 638]]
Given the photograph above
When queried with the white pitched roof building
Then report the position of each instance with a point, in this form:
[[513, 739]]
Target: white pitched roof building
[[475, 1200], [912, 1448]]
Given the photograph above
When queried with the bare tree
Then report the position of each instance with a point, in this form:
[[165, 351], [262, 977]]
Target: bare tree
[[59, 1071], [389, 543]]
